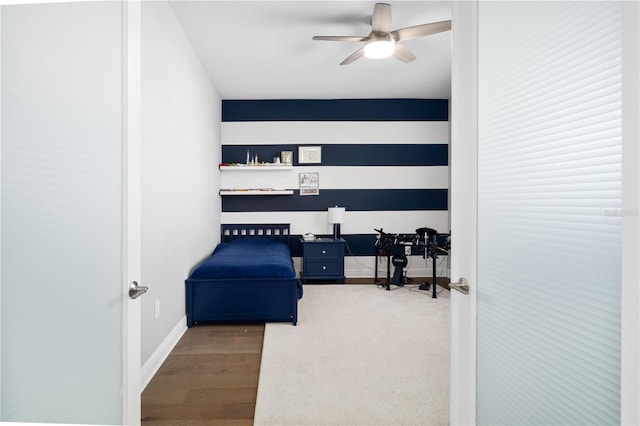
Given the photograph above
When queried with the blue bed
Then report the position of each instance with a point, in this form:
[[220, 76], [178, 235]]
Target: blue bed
[[248, 278]]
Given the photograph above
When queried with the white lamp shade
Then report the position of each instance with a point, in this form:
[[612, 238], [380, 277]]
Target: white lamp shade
[[336, 214]]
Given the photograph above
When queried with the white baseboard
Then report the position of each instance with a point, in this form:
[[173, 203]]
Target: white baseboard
[[151, 367]]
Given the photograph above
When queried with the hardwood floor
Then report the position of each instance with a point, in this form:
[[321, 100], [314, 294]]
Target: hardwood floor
[[211, 376]]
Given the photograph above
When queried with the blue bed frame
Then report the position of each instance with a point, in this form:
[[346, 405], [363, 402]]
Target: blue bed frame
[[244, 299]]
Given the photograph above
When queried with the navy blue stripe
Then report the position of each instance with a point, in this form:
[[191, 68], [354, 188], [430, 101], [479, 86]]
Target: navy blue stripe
[[350, 154], [357, 245], [351, 199], [360, 244], [363, 244], [336, 110]]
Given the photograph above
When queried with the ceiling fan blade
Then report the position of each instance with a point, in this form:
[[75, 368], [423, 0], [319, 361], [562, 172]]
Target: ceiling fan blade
[[381, 19], [421, 30], [355, 55], [404, 54], [340, 38]]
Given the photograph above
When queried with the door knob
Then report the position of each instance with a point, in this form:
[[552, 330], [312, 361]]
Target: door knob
[[136, 290], [462, 286]]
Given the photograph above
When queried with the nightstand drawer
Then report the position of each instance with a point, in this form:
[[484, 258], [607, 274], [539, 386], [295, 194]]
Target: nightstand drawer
[[324, 251], [323, 268]]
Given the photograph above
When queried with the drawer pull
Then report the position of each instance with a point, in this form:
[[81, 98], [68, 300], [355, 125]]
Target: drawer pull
[[324, 252], [324, 268]]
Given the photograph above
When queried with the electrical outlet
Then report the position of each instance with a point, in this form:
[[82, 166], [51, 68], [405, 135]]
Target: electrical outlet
[[156, 310], [407, 250]]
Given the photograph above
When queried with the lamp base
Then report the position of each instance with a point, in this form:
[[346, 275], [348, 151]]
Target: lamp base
[[336, 231]]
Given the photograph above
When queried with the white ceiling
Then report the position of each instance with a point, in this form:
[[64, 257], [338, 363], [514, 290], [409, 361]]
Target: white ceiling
[[264, 50]]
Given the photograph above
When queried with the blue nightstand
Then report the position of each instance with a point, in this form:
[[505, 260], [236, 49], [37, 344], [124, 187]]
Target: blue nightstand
[[323, 259]]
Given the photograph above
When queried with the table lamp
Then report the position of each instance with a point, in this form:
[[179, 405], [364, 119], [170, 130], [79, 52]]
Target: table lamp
[[336, 217]]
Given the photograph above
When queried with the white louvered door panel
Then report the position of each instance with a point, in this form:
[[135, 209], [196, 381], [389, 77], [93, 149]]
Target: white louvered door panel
[[549, 190], [65, 171]]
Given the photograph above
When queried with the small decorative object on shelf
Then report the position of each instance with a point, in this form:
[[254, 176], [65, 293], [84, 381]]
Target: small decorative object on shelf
[[286, 157]]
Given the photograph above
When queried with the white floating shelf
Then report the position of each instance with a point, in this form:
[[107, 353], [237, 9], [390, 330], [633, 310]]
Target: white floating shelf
[[256, 192], [266, 168]]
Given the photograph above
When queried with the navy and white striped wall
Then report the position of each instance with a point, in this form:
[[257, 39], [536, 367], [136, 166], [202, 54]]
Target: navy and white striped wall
[[385, 160]]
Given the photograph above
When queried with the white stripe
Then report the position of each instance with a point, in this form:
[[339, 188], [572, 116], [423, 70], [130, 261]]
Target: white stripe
[[379, 177], [334, 132], [417, 266], [356, 222]]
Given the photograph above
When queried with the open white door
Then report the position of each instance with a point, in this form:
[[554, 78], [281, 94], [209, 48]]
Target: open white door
[[545, 122], [70, 213]]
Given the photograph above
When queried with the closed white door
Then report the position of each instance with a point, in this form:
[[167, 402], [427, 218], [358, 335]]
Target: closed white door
[[545, 213], [69, 215]]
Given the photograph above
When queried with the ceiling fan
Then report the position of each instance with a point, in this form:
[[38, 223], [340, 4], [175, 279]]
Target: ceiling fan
[[382, 42]]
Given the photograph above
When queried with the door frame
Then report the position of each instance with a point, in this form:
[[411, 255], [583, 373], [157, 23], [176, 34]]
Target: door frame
[[630, 297], [131, 236], [463, 208]]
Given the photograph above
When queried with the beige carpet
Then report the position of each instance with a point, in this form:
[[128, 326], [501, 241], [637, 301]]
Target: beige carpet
[[359, 355]]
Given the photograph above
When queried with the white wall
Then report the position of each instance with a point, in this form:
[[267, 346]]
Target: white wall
[[180, 154]]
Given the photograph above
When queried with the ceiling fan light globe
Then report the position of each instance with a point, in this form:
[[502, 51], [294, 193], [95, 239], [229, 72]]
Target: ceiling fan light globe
[[379, 49]]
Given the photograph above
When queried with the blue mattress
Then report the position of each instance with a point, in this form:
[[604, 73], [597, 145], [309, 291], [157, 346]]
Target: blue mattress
[[247, 258]]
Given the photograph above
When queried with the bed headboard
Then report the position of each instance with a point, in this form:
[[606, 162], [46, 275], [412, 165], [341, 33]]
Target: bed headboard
[[273, 231]]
